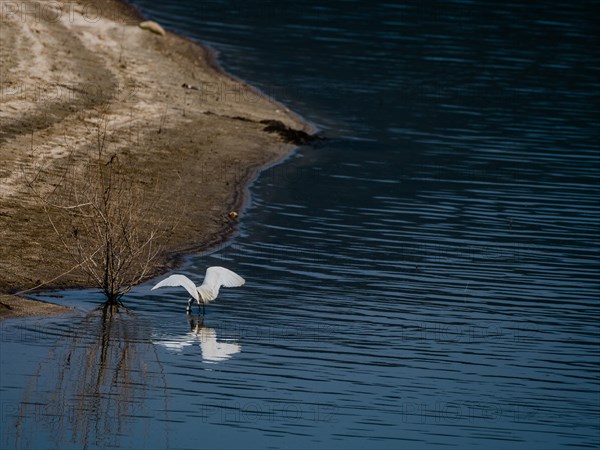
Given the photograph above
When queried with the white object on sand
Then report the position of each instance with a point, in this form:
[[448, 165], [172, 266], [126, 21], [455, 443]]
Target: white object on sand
[[152, 26]]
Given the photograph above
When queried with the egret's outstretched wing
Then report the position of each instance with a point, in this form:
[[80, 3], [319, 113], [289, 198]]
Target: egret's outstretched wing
[[215, 278], [179, 280]]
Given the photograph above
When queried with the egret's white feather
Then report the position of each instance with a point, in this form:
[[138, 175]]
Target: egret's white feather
[[180, 280], [215, 278]]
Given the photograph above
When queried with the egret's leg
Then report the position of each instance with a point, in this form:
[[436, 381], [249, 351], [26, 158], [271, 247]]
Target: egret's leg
[[203, 308], [189, 306]]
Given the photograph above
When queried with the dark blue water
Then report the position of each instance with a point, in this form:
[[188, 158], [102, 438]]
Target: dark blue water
[[425, 278]]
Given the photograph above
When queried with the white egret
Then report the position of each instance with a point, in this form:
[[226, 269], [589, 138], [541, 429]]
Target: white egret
[[209, 290]]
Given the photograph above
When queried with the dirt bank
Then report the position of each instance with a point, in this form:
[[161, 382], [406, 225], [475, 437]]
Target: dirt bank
[[63, 67]]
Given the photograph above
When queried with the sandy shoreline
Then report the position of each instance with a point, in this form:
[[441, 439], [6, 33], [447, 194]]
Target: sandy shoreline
[[166, 106]]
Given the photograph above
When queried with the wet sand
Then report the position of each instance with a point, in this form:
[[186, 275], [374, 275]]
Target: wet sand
[[179, 121]]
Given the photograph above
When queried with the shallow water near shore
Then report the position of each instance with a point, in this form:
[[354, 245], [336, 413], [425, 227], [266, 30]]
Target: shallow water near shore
[[427, 277]]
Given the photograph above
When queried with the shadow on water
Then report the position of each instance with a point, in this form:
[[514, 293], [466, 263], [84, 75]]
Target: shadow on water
[[203, 336], [94, 387]]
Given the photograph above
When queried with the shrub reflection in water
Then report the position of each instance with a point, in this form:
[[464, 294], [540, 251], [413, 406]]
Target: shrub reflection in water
[[90, 387]]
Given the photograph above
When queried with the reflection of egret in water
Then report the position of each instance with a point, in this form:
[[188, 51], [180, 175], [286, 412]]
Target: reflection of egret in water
[[212, 350], [92, 390]]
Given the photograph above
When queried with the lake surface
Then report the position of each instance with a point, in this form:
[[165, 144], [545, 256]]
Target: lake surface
[[425, 278]]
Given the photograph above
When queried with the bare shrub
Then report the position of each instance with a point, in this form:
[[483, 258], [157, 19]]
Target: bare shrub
[[105, 219]]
